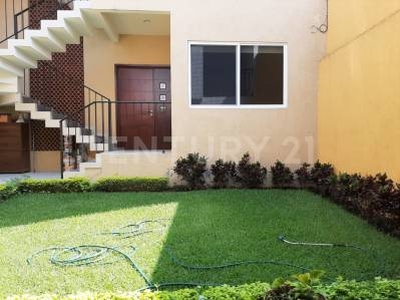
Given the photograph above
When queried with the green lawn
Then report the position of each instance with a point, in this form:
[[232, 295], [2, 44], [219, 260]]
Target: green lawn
[[203, 228]]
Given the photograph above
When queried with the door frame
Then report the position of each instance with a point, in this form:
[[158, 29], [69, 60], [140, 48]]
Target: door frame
[[138, 66]]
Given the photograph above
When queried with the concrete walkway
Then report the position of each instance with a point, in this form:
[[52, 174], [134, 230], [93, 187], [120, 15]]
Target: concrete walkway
[[45, 175]]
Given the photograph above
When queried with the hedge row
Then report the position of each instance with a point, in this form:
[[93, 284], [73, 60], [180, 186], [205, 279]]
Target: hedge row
[[374, 198], [290, 289], [6, 191], [82, 185], [50, 186], [131, 184]]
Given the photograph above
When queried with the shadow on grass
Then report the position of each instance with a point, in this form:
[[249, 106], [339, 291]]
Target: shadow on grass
[[220, 227], [32, 208]]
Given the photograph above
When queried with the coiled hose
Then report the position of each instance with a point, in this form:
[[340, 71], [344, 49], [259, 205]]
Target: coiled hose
[[85, 255]]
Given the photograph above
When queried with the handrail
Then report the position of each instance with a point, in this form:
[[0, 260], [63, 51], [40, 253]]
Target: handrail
[[76, 82], [32, 6], [68, 117], [78, 112], [16, 31], [49, 15], [96, 116]]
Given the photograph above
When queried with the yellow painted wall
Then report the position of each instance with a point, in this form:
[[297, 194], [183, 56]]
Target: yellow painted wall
[[350, 18], [101, 55], [359, 89]]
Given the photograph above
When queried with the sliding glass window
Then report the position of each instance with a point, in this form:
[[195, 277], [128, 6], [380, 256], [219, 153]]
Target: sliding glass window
[[237, 75], [213, 70]]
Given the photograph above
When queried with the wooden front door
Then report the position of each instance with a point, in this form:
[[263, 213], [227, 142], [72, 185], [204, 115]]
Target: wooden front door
[[143, 108]]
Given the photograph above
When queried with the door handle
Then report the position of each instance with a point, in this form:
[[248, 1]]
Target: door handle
[[151, 112]]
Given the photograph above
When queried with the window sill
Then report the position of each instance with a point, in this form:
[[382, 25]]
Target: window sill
[[272, 106]]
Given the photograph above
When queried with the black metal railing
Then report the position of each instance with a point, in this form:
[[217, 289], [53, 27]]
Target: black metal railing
[[75, 120], [99, 135], [50, 75], [15, 18]]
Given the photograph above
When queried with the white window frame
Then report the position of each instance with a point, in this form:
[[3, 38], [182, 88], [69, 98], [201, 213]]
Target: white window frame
[[238, 105]]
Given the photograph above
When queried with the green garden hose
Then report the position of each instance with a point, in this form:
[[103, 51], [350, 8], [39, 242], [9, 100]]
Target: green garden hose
[[85, 255], [284, 240], [232, 264], [375, 256], [136, 229]]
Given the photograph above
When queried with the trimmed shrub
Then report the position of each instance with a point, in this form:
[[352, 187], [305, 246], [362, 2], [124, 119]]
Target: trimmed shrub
[[245, 291], [250, 175], [281, 175], [306, 286], [345, 190], [298, 287], [131, 184], [7, 191], [70, 185], [223, 173], [191, 169], [322, 176], [303, 175], [378, 289], [375, 198]]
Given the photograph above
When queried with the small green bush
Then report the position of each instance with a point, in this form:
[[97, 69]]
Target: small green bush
[[281, 175], [345, 190], [223, 173], [307, 286], [348, 290], [246, 291], [298, 287], [191, 169], [131, 184], [303, 175], [49, 186], [6, 192], [250, 175], [322, 176], [375, 198]]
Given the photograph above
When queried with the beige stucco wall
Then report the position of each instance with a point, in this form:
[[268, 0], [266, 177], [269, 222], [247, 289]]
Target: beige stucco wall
[[288, 134], [7, 10], [45, 161], [134, 164]]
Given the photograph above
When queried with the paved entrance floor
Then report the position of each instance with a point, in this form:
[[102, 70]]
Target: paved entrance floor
[[40, 175]]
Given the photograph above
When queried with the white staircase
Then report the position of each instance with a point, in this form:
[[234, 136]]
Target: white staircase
[[22, 54], [52, 120], [39, 44]]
